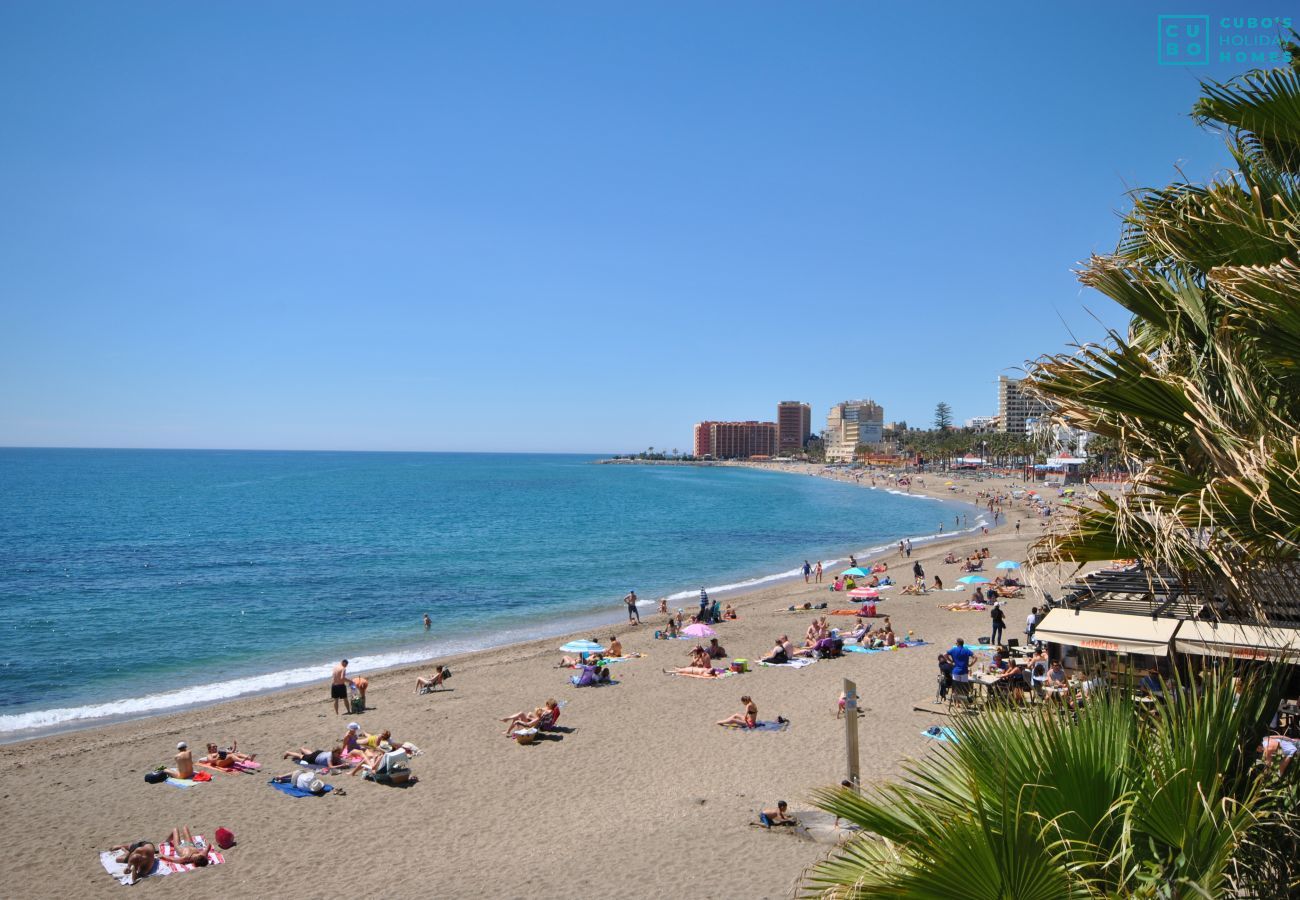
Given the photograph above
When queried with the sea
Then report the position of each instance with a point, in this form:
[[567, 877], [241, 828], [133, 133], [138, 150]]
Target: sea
[[138, 582]]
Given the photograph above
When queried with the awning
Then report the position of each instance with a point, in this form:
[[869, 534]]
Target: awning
[[1239, 641], [1112, 632]]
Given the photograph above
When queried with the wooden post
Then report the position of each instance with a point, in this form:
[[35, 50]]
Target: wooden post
[[851, 730]]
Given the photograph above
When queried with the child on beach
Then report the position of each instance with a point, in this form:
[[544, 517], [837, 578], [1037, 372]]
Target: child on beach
[[779, 816]]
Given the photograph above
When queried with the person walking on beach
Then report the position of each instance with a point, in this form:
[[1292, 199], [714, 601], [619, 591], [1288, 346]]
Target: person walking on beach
[[909, 548], [817, 571], [807, 570], [633, 614], [339, 687], [1017, 527], [901, 548]]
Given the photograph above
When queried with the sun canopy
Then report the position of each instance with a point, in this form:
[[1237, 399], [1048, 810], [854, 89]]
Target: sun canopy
[[1239, 641], [1112, 632]]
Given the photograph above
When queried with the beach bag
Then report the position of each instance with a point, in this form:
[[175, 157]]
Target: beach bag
[[358, 705], [155, 777]]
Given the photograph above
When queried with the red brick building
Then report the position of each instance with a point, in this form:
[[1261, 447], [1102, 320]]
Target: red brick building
[[735, 440], [793, 425]]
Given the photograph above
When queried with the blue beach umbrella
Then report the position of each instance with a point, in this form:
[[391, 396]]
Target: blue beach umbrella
[[973, 579], [1008, 564], [582, 647], [855, 571]]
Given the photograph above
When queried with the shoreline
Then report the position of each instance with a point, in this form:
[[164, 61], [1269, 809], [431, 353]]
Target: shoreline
[[652, 767], [388, 660]]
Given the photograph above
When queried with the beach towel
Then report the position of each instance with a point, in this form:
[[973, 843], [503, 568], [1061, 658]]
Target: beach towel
[[108, 859], [286, 788], [182, 782], [762, 726], [165, 848], [942, 734], [797, 663], [858, 648], [619, 659]]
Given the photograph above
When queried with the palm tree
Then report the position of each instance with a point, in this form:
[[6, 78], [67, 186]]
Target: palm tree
[[1109, 801], [1203, 391]]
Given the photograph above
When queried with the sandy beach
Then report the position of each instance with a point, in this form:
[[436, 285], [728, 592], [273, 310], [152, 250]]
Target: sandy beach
[[644, 797]]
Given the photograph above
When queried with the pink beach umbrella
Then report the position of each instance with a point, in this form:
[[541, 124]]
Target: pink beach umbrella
[[699, 629], [865, 593]]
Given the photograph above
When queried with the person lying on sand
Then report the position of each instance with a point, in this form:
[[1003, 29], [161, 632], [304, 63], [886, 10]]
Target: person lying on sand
[[187, 851], [746, 719], [779, 816], [139, 858], [324, 758], [693, 671], [184, 769], [372, 741], [303, 781], [433, 681], [225, 759]]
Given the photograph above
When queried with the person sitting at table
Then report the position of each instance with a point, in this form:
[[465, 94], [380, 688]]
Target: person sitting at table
[[1056, 674], [1013, 680], [1150, 683]]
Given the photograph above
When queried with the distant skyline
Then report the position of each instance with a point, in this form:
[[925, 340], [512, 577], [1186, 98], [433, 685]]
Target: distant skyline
[[573, 227]]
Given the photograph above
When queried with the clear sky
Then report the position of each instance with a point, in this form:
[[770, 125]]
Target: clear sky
[[556, 226]]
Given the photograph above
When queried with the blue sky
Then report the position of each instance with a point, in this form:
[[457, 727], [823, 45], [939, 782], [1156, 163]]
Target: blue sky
[[560, 226]]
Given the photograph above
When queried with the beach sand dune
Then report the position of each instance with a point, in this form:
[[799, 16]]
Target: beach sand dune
[[643, 795]]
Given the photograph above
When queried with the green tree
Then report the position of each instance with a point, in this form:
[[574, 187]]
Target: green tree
[[1111, 801], [1203, 390], [942, 416]]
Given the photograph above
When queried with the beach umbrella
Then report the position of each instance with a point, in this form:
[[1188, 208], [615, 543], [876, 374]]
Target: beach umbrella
[[973, 579], [855, 571], [1008, 564], [582, 647], [699, 629], [865, 593]]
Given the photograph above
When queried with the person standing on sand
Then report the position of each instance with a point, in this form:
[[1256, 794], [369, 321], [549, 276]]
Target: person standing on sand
[[633, 614], [817, 571], [807, 570], [1017, 527], [339, 687], [909, 548], [999, 623], [901, 549], [428, 623]]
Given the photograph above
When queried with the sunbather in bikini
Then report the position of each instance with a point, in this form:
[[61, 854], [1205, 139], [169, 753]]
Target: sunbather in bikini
[[693, 671], [433, 681], [139, 858], [186, 849], [324, 758], [225, 759], [541, 717], [746, 719]]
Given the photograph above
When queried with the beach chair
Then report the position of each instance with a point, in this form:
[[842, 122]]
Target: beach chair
[[391, 770]]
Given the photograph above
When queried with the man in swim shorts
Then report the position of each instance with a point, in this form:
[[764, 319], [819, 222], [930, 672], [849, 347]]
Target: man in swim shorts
[[633, 614], [339, 687]]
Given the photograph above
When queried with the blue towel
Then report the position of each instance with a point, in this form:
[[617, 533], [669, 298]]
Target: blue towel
[[858, 648], [182, 782], [944, 735], [286, 788], [764, 726]]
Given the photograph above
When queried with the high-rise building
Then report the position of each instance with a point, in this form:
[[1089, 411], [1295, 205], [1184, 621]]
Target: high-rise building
[[793, 425], [1017, 410], [735, 440], [851, 423]]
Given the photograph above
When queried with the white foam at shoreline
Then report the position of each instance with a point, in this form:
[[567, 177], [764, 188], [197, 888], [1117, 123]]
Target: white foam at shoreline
[[12, 726]]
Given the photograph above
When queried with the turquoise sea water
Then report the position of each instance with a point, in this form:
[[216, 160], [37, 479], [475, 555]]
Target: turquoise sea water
[[141, 581]]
